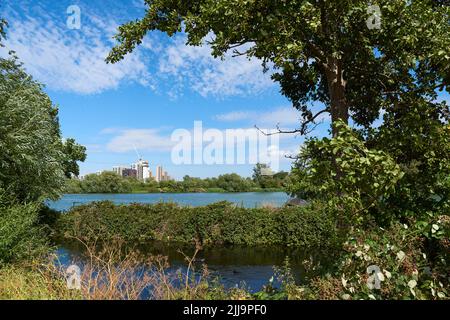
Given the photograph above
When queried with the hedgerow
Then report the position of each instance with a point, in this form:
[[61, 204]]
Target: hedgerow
[[219, 223]]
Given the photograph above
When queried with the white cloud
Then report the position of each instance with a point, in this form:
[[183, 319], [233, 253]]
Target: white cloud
[[71, 60], [125, 140], [236, 116], [195, 67], [285, 116], [141, 139]]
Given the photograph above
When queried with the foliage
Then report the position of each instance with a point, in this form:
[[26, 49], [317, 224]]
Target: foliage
[[19, 282], [220, 223], [265, 178], [108, 182], [34, 160], [73, 152], [407, 268], [400, 257], [21, 234], [322, 51], [33, 157], [344, 172], [417, 138]]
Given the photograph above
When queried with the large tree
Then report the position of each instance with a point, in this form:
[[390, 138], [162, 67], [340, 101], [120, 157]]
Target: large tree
[[322, 51], [34, 159]]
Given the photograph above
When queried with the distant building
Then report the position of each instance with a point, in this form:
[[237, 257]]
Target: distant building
[[132, 173], [141, 168], [146, 173], [166, 176], [119, 170], [159, 174]]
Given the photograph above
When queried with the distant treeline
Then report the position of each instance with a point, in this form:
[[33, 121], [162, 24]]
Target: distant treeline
[[109, 182]]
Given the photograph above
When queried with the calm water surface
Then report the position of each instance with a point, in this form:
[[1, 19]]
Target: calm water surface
[[235, 265], [246, 199], [251, 267]]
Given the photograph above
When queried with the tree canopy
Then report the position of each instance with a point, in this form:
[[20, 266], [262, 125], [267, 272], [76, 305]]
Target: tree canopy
[[34, 159], [321, 51]]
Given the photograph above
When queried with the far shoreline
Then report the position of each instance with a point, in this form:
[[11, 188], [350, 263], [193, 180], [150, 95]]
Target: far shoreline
[[182, 192]]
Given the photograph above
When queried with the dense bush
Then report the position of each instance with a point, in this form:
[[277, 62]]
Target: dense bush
[[393, 263], [106, 182], [344, 172], [417, 137], [21, 234], [220, 223]]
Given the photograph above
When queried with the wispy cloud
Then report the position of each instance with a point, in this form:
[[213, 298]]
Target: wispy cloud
[[284, 116], [73, 60], [230, 76], [141, 139], [236, 116]]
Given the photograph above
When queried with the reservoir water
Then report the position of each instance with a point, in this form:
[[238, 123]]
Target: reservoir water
[[245, 199], [235, 265]]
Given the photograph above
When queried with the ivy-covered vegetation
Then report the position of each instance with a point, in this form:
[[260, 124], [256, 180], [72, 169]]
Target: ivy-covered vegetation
[[221, 223]]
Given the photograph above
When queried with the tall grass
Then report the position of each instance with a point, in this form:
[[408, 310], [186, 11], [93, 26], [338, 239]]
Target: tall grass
[[111, 272]]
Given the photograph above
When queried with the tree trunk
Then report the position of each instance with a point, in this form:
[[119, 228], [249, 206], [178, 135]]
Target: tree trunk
[[338, 102], [336, 87]]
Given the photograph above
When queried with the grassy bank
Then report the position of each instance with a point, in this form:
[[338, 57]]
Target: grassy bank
[[219, 223]]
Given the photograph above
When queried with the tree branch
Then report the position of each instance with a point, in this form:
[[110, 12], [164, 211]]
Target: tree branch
[[303, 130]]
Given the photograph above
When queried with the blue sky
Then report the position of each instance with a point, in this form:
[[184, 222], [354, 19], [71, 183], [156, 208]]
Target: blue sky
[[164, 85], [161, 87]]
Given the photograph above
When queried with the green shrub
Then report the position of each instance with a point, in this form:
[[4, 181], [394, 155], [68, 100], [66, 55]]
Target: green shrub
[[400, 257], [21, 234], [34, 283], [417, 136], [345, 173], [219, 223]]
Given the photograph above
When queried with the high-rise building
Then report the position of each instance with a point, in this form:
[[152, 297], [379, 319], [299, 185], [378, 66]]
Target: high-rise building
[[146, 173], [159, 174], [132, 173], [119, 170], [141, 168]]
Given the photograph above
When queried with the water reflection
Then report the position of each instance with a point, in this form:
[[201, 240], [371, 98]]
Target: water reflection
[[234, 265]]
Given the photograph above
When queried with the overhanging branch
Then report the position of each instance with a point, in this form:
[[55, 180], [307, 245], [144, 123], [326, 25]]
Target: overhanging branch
[[304, 127]]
